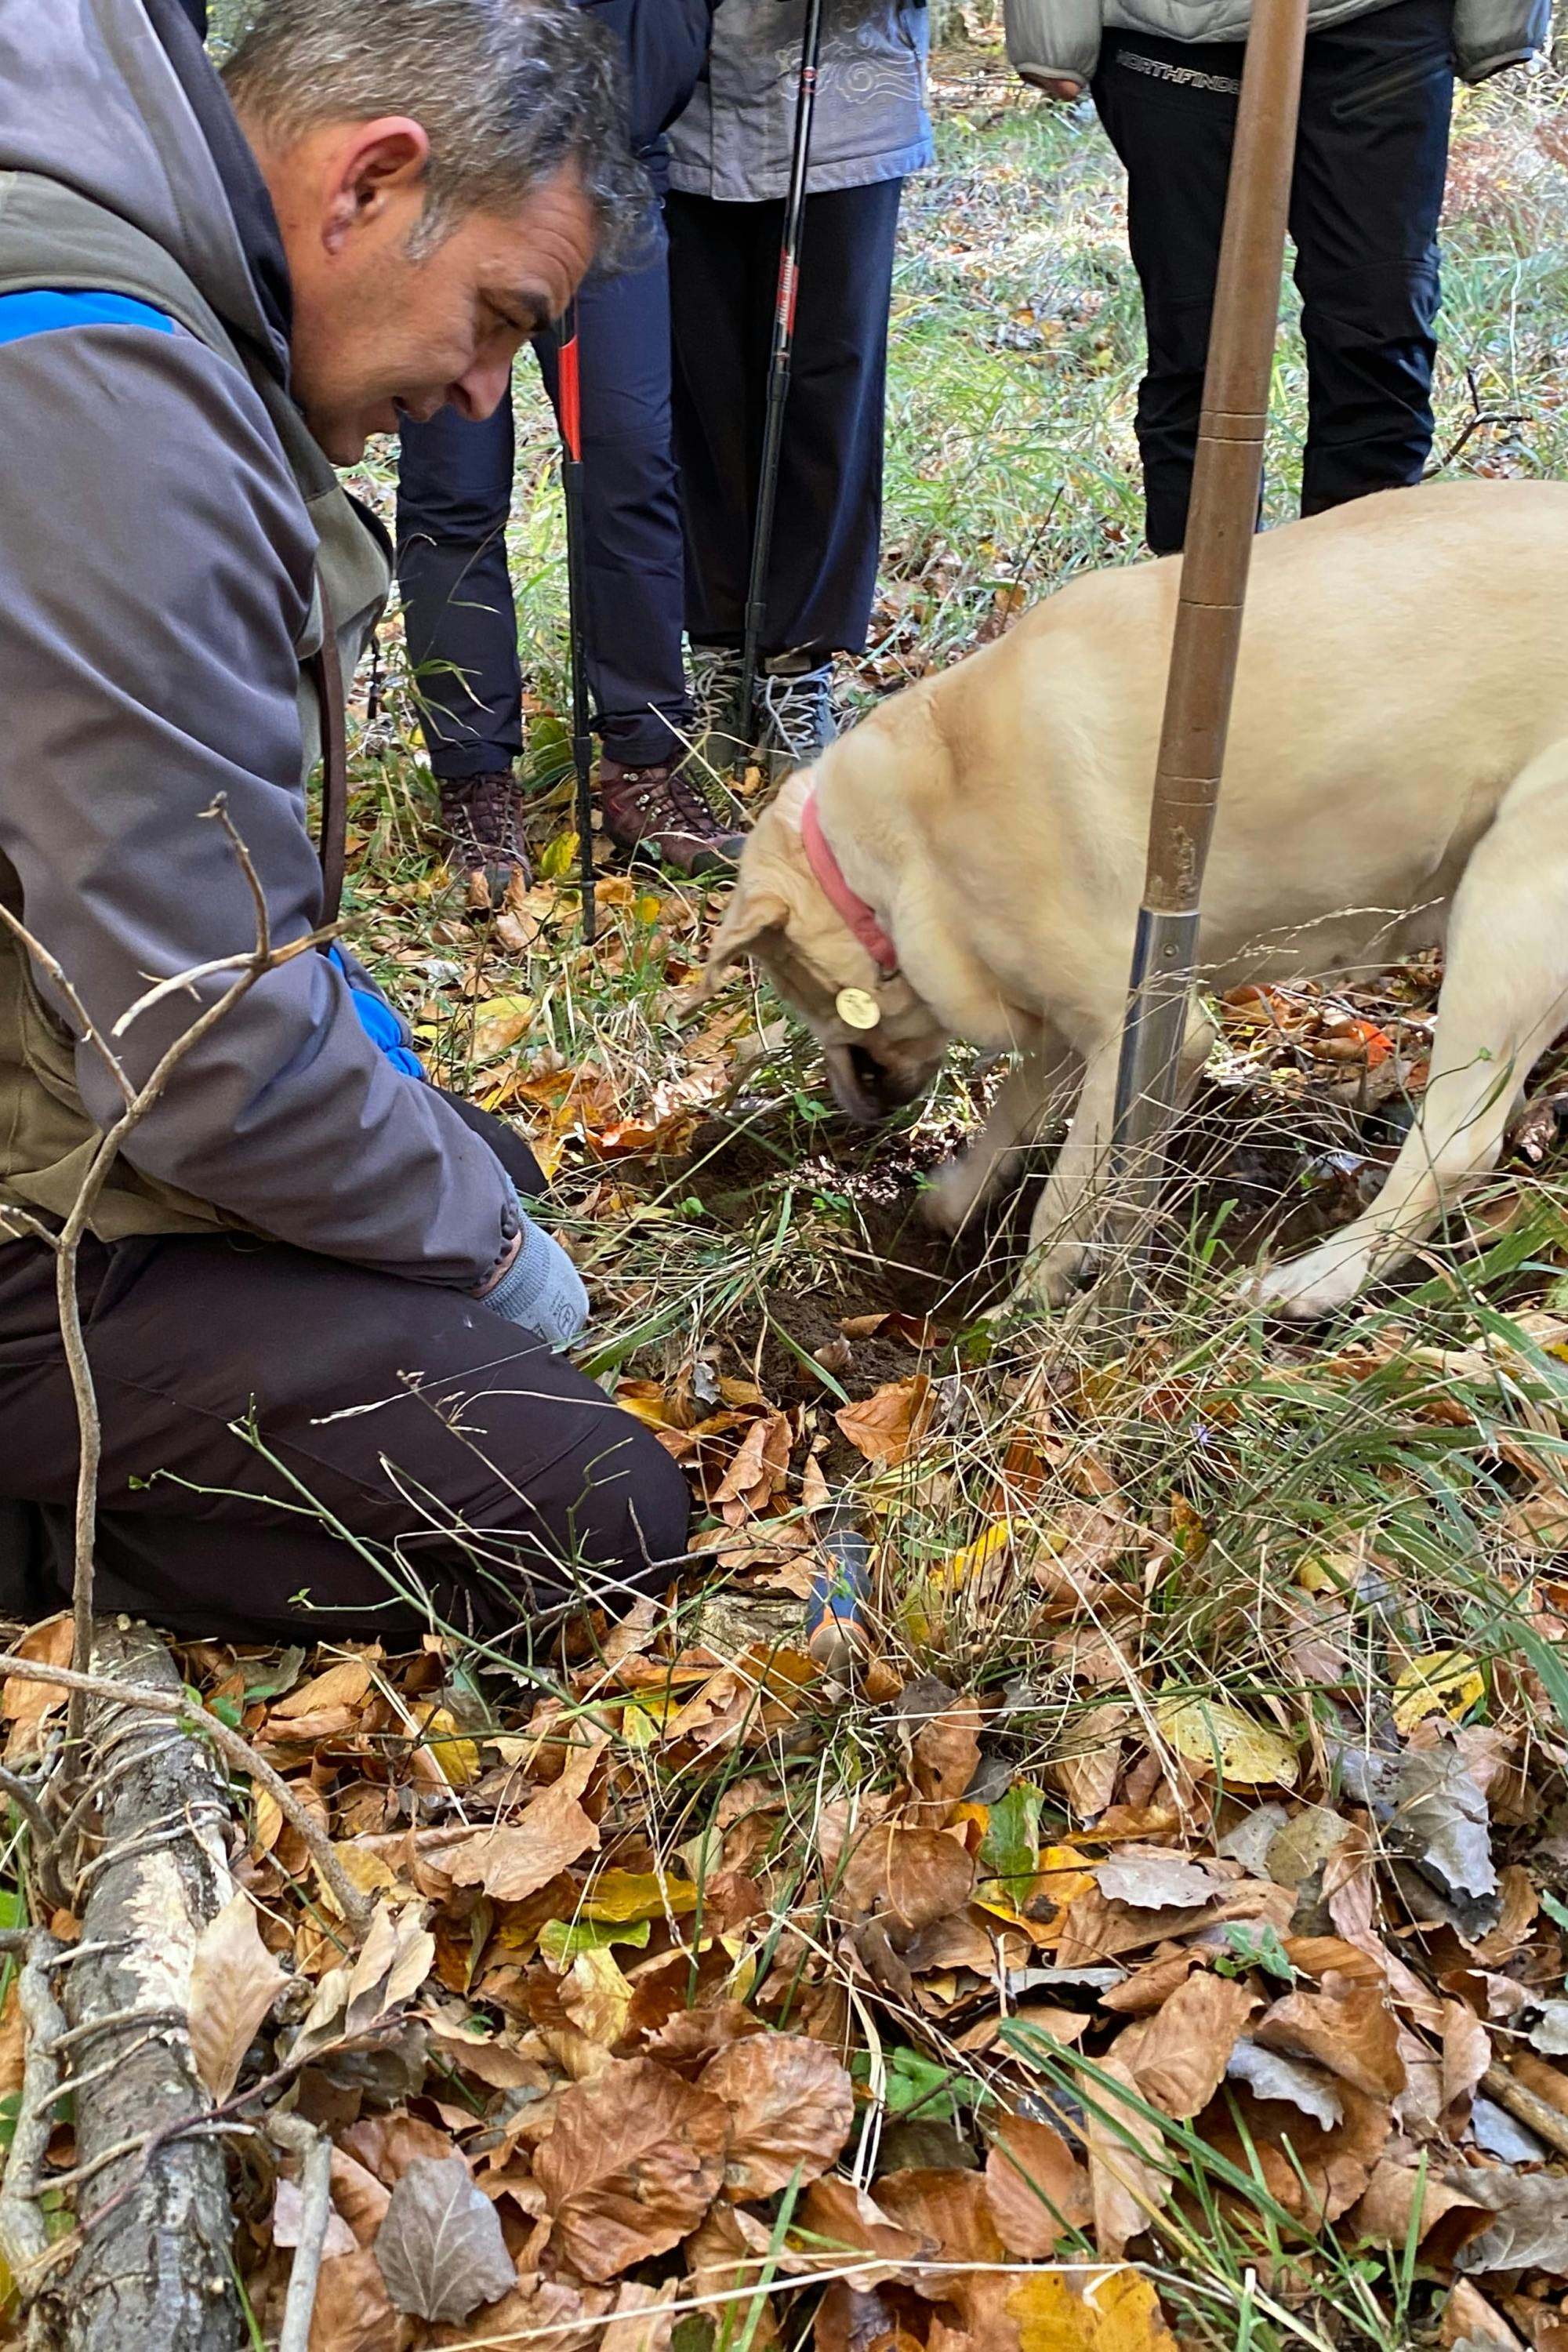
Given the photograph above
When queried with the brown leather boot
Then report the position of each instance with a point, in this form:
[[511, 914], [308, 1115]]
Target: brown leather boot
[[657, 814], [481, 817]]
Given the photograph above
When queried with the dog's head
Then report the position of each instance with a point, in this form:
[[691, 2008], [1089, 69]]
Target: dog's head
[[780, 917]]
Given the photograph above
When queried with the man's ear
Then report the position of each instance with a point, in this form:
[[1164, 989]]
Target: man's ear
[[377, 160], [750, 915]]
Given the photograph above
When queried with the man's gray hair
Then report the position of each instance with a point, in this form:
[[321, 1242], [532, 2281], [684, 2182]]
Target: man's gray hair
[[510, 92]]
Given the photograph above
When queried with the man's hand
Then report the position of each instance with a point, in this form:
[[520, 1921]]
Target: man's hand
[[538, 1288]]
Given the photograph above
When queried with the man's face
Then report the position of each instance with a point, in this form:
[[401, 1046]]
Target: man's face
[[379, 335]]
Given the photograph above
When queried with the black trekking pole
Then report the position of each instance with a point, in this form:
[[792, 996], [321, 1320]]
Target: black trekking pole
[[779, 368], [569, 393]]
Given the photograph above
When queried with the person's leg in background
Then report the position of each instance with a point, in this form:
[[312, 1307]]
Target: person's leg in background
[[827, 536], [635, 567], [1370, 163], [454, 497], [1169, 110], [723, 269], [828, 523]]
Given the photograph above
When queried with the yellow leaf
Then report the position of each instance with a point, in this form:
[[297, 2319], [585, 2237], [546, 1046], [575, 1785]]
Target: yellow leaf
[[649, 907], [627, 1894], [1188, 1532], [499, 1023], [559, 859], [1209, 1731], [1117, 2312], [615, 891], [597, 1997], [1449, 1682], [639, 1729], [456, 1758], [269, 1821], [976, 1555]]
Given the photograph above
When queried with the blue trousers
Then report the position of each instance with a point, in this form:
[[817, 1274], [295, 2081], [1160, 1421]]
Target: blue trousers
[[454, 495]]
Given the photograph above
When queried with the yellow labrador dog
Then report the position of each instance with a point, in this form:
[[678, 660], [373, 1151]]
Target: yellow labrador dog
[[967, 863]]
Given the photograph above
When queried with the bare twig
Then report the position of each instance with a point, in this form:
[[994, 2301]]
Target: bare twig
[[355, 1910], [316, 2212], [24, 2240], [27, 1805], [1523, 2104]]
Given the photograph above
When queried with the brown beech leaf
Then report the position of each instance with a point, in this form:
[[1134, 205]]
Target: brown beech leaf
[[514, 1862], [635, 2160], [790, 2109], [1467, 2054], [642, 2320], [440, 2246], [234, 1982], [1187, 2044], [1037, 2189], [919, 1876], [950, 2208], [26, 1704], [1316, 2172], [344, 1686], [385, 2146], [1127, 2189], [353, 2311], [288, 2220], [887, 1425], [946, 1752], [722, 2258], [1348, 2028], [1387, 2204], [359, 2196]]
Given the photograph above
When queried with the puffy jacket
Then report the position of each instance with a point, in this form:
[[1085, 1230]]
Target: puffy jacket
[[163, 516], [733, 141], [666, 43], [1056, 40]]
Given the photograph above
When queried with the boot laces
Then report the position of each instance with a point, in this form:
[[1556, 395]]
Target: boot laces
[[482, 814], [798, 712]]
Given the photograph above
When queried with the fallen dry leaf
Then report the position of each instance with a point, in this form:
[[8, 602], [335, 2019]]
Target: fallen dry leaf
[[234, 1982], [945, 1754], [1128, 2185], [918, 1875], [1387, 2205], [1037, 2186], [353, 2311], [27, 1705], [887, 1425], [1186, 2046], [1351, 2029], [790, 2109], [1118, 2311], [440, 2246], [634, 2160], [1211, 1732], [514, 1862]]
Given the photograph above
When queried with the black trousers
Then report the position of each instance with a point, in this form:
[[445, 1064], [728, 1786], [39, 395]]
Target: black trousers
[[407, 1449], [1370, 159], [723, 270], [454, 498]]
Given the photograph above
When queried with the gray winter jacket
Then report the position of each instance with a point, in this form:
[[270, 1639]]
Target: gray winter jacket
[[733, 141], [1053, 40], [159, 505]]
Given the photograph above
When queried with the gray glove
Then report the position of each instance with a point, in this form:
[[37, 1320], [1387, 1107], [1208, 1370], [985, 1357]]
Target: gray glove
[[541, 1290]]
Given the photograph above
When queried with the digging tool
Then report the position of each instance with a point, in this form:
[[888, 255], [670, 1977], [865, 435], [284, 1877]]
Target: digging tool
[[571, 401], [836, 1633], [779, 360], [1221, 524]]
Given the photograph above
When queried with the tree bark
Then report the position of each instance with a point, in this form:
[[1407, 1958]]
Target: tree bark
[[154, 2274]]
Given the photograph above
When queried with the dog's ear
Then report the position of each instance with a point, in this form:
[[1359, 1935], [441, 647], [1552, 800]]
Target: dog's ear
[[749, 916]]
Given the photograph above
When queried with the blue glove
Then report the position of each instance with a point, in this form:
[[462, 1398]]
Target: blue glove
[[541, 1290], [377, 1019]]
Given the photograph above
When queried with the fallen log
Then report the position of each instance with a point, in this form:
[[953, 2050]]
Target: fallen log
[[153, 2274]]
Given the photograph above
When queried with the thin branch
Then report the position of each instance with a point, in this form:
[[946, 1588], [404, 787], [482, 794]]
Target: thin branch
[[316, 2212], [186, 980], [356, 1910], [27, 1805], [24, 2238]]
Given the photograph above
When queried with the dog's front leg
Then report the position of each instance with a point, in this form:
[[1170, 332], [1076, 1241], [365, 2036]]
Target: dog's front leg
[[1068, 1209], [1035, 1090]]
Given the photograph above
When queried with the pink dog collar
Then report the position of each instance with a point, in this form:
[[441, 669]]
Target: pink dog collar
[[860, 918]]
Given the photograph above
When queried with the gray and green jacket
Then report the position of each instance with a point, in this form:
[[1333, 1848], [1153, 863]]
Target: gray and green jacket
[[163, 514], [733, 141], [1052, 40]]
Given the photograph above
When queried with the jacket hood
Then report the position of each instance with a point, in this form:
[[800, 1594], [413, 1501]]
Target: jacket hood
[[117, 99]]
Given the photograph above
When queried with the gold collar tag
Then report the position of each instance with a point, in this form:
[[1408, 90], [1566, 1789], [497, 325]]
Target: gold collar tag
[[857, 1008]]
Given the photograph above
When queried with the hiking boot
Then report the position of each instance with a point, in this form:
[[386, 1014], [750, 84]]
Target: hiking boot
[[657, 814], [715, 693], [481, 817], [797, 719]]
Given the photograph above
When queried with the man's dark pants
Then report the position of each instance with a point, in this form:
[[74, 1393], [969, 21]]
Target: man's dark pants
[[454, 485], [404, 1442], [1370, 159], [723, 265]]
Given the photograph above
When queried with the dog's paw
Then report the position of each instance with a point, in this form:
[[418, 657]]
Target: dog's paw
[[1056, 1276], [1305, 1289], [951, 1196]]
